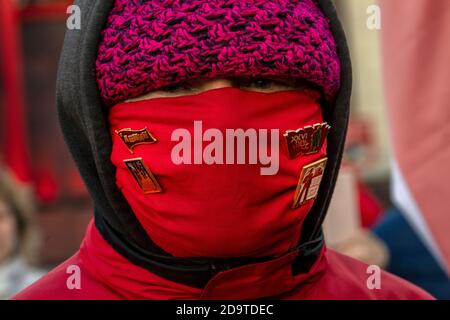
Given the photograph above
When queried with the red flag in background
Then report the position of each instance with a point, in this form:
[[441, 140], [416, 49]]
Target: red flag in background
[[34, 152], [13, 124]]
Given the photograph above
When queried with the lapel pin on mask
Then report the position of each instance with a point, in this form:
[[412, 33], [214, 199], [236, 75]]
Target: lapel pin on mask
[[309, 182], [143, 176], [133, 138], [307, 140]]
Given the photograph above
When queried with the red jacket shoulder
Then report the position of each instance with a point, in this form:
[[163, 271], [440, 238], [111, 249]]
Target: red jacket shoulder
[[354, 279], [68, 281]]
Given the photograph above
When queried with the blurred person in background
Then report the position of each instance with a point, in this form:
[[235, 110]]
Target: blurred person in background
[[354, 209], [16, 233]]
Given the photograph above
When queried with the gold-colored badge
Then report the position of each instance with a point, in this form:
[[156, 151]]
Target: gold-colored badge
[[143, 175], [309, 182], [132, 138], [307, 140]]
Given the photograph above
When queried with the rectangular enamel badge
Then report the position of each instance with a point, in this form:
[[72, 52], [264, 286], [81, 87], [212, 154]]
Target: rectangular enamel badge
[[307, 140], [132, 138], [143, 176], [309, 182]]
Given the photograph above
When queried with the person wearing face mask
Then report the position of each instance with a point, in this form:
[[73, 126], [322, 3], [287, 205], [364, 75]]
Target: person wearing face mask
[[209, 135]]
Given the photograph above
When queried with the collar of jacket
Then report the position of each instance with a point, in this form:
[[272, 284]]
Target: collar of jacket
[[197, 272]]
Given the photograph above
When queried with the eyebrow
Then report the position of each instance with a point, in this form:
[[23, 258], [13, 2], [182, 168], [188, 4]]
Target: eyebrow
[[292, 82]]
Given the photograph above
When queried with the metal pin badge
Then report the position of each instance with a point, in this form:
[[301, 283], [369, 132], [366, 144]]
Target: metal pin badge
[[309, 182], [307, 140], [132, 138], [143, 176]]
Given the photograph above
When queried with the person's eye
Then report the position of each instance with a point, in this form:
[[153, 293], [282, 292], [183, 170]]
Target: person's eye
[[171, 88], [179, 87], [265, 84], [257, 83]]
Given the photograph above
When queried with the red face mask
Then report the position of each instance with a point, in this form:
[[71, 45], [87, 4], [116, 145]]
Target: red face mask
[[198, 194]]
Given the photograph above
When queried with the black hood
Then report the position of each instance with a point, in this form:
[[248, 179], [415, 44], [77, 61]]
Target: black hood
[[84, 123]]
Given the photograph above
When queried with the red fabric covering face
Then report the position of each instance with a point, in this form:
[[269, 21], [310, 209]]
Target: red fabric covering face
[[217, 210], [106, 275]]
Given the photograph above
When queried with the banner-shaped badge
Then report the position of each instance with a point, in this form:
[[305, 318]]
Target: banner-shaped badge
[[132, 138]]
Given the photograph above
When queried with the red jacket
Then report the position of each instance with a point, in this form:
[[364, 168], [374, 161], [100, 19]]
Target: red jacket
[[106, 275]]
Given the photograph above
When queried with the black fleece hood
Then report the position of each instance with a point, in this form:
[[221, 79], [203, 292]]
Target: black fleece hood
[[84, 123]]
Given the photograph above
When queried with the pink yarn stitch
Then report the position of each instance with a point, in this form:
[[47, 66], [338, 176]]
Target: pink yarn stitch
[[147, 45]]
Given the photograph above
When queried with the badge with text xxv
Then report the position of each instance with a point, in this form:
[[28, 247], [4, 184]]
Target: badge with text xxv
[[309, 182], [132, 138], [307, 140], [143, 176]]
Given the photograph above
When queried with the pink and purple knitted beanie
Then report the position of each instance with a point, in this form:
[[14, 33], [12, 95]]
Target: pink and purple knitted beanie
[[149, 44]]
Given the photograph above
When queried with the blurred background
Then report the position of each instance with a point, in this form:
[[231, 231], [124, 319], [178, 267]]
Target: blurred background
[[41, 181]]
